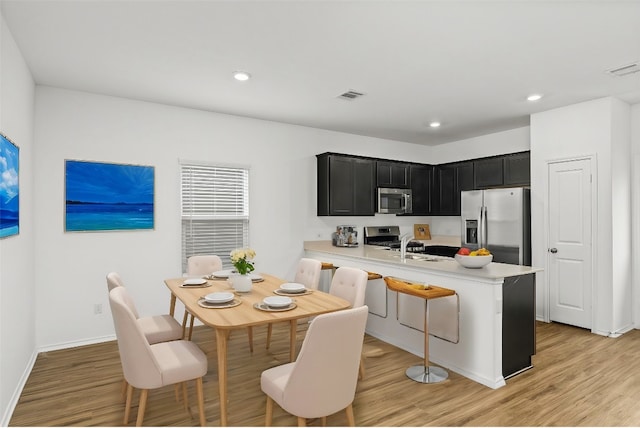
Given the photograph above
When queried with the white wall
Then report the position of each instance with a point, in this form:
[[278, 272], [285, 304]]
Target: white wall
[[596, 128], [17, 312], [635, 212], [72, 266]]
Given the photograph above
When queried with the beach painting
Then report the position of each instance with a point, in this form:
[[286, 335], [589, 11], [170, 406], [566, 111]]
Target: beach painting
[[9, 190], [106, 196]]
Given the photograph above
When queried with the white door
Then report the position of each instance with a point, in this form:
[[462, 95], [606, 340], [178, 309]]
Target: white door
[[569, 246]]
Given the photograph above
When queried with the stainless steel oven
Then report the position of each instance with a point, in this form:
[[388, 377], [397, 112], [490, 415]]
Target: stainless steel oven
[[394, 201]]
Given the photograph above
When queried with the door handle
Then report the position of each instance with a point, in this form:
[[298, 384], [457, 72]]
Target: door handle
[[553, 250]]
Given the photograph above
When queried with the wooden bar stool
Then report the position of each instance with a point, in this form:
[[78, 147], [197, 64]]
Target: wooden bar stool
[[422, 373]]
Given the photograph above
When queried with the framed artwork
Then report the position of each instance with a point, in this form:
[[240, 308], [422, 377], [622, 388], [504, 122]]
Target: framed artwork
[[107, 196], [9, 189]]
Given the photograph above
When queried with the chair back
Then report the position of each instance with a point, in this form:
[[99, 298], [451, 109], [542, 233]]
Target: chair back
[[324, 377], [138, 362], [349, 284], [308, 273], [203, 265], [113, 281]]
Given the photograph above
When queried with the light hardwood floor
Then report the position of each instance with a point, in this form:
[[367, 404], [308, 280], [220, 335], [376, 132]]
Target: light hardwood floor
[[579, 379]]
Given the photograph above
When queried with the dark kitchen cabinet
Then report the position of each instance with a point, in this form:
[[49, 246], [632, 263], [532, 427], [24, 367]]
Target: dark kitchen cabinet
[[488, 172], [518, 323], [449, 181], [420, 179], [392, 174], [346, 185], [517, 169]]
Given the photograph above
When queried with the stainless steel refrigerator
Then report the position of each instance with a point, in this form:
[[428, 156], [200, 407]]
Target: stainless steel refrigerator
[[499, 220]]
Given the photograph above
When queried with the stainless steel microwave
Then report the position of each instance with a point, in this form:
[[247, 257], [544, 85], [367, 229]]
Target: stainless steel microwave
[[394, 201]]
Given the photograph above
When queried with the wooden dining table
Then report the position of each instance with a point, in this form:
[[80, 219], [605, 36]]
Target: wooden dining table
[[244, 315]]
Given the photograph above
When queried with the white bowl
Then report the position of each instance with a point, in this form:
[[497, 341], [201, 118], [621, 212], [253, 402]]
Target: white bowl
[[293, 287], [219, 297], [194, 281], [473, 262], [277, 301]]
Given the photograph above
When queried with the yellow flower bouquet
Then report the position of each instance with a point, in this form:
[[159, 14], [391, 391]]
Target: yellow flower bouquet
[[241, 259]]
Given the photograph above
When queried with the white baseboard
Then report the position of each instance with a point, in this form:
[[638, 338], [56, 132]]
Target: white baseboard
[[6, 417]]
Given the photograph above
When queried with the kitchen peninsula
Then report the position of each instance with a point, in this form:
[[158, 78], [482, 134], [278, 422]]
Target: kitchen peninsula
[[495, 338]]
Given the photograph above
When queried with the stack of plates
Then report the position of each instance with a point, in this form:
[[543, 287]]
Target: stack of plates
[[292, 288], [277, 302], [219, 297]]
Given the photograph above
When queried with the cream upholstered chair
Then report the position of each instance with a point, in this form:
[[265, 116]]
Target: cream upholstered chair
[[148, 366], [157, 328], [322, 380], [199, 265], [307, 273], [351, 285]]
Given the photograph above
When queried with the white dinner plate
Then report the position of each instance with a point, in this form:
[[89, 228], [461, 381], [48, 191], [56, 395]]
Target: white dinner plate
[[194, 281], [277, 301], [219, 297], [255, 277], [293, 287], [222, 273]]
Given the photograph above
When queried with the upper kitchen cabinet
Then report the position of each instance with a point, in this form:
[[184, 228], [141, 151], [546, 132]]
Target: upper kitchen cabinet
[[517, 169], [420, 180], [449, 181], [346, 185], [507, 170], [392, 174]]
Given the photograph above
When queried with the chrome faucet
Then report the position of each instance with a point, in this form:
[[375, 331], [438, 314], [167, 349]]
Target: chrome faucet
[[404, 240]]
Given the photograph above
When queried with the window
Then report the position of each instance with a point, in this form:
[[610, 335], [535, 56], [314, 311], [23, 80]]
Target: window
[[215, 210]]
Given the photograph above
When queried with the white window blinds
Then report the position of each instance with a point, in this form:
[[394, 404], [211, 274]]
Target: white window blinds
[[215, 210]]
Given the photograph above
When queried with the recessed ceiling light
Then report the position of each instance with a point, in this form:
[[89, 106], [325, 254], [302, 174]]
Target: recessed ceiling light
[[534, 97], [434, 124], [242, 76]]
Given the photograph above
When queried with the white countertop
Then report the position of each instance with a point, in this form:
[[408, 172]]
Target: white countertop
[[443, 264]]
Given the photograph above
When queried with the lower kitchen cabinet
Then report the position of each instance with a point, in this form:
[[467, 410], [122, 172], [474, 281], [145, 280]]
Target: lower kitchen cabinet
[[518, 323], [376, 297]]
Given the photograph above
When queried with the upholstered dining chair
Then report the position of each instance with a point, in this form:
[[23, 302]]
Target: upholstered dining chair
[[323, 379], [199, 265], [156, 328], [148, 366], [351, 285], [307, 273]]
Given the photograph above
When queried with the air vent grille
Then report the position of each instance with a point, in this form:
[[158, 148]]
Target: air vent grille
[[350, 95], [625, 69]]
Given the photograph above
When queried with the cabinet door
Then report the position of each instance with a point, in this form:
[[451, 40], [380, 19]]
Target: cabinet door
[[445, 190], [488, 172], [341, 186], [420, 178], [517, 169], [392, 174], [363, 187]]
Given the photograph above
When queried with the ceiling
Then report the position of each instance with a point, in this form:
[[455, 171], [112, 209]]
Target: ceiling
[[467, 64]]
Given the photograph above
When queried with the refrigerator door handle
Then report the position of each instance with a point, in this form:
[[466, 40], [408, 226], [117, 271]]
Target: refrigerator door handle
[[484, 228], [480, 228]]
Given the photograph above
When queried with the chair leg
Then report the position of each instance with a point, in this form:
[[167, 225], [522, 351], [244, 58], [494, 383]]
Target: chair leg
[[193, 318], [142, 406], [269, 330], [350, 418], [269, 412], [200, 395], [324, 421], [361, 369], [250, 332], [127, 406], [302, 422], [184, 323]]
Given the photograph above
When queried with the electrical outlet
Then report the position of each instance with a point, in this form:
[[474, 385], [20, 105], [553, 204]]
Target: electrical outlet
[[97, 309]]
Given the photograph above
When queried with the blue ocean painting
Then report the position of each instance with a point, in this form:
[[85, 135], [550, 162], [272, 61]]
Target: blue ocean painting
[[9, 190], [107, 196]]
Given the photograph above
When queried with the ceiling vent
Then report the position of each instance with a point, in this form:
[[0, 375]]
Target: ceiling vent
[[350, 95], [625, 70]]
